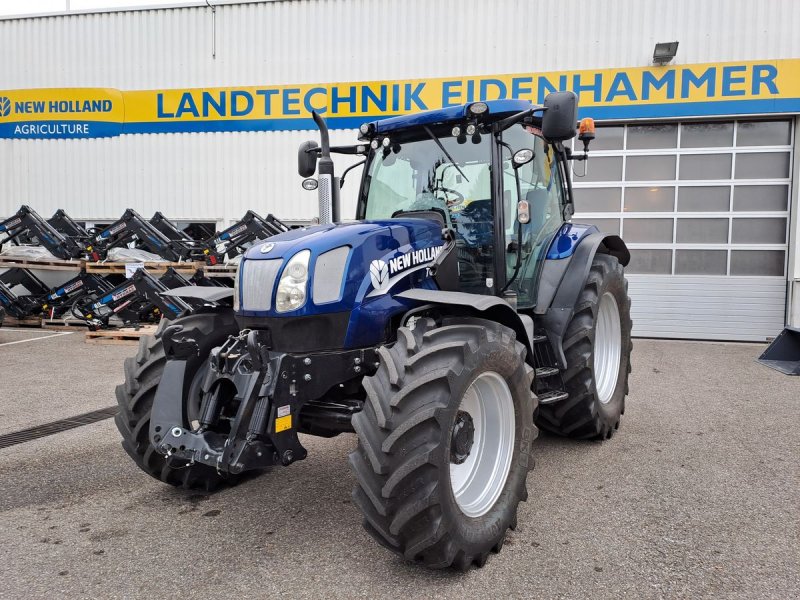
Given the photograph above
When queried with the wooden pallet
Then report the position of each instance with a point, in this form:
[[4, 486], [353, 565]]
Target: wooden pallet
[[117, 268], [219, 271], [126, 336], [26, 322], [63, 324], [9, 262]]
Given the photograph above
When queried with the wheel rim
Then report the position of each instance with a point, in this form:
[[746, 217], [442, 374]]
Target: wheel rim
[[478, 481], [607, 347]]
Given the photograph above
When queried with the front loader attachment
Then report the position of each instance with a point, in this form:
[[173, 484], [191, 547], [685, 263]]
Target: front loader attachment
[[783, 354]]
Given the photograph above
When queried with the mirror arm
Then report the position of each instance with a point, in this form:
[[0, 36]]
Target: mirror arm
[[348, 169], [504, 124], [572, 156], [354, 149]]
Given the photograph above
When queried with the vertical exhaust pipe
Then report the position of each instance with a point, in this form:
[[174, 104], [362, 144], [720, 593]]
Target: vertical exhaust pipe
[[328, 182]]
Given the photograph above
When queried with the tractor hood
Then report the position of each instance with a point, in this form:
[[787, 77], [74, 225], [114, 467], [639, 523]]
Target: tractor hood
[[380, 235], [352, 268]]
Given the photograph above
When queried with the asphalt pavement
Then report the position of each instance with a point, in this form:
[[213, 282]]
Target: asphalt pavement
[[695, 497]]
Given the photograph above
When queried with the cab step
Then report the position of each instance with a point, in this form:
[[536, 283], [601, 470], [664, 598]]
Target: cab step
[[546, 372], [552, 396]]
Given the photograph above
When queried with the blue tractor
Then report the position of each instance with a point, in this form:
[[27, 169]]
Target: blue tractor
[[460, 310]]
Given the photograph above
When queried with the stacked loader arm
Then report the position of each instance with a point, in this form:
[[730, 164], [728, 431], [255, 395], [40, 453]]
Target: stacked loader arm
[[132, 227], [136, 299], [169, 229], [27, 224], [21, 305], [236, 238], [58, 300], [66, 225]]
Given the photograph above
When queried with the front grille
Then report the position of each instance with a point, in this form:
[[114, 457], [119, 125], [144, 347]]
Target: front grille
[[258, 282]]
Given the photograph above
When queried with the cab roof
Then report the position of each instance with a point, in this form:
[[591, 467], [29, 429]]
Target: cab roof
[[498, 109]]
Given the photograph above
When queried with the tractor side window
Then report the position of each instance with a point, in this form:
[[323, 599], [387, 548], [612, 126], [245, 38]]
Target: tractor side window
[[540, 186]]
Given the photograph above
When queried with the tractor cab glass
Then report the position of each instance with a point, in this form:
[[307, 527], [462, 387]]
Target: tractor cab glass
[[418, 176], [455, 181]]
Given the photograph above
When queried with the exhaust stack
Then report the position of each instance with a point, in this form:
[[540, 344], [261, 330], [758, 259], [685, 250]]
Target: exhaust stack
[[328, 182]]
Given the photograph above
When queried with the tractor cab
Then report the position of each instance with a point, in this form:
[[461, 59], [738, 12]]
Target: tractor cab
[[498, 187], [485, 172]]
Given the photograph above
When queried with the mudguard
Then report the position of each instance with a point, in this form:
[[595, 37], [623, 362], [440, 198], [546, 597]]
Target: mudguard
[[560, 311], [488, 307]]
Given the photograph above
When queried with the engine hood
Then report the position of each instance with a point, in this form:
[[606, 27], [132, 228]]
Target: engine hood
[[373, 261], [321, 238]]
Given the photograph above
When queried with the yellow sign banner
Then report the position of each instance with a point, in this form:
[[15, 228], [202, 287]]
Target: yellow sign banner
[[724, 89]]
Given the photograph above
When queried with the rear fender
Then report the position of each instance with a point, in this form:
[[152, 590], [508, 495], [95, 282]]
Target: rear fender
[[557, 296]]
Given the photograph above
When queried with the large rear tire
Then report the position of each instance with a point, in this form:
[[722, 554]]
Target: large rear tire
[[597, 346], [135, 398], [444, 442]]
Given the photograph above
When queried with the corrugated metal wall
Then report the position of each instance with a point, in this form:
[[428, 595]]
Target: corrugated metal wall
[[218, 176]]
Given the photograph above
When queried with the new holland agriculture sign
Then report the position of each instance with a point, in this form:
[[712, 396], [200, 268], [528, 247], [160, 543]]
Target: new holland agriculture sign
[[757, 87]]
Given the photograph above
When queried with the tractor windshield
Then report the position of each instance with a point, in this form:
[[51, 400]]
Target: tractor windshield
[[419, 176]]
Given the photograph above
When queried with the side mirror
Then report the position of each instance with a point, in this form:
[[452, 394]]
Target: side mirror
[[558, 121], [307, 158]]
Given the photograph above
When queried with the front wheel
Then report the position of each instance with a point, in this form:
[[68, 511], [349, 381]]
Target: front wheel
[[135, 398], [444, 442]]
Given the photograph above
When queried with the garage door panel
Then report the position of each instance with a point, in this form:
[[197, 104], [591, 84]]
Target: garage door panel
[[705, 206], [706, 308]]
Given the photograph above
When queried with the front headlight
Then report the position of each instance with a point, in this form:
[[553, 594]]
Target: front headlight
[[292, 289], [236, 286]]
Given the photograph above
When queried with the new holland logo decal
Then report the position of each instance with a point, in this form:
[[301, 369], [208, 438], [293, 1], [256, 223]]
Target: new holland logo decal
[[379, 273], [384, 274]]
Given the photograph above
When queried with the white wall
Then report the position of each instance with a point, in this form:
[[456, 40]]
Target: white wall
[[220, 175]]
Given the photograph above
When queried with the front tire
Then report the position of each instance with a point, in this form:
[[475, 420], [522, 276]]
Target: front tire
[[135, 398], [597, 346], [436, 482]]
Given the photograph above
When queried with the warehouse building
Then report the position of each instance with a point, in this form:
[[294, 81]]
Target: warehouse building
[[197, 111]]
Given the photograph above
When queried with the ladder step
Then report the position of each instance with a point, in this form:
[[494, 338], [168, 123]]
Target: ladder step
[[538, 339], [546, 371], [552, 396]]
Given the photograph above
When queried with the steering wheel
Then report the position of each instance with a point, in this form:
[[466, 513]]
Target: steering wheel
[[459, 195]]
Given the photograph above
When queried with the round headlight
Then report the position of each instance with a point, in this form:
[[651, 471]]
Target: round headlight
[[470, 129], [296, 296], [456, 131], [297, 271], [374, 144]]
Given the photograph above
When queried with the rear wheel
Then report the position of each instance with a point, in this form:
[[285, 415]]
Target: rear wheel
[[597, 346], [444, 442], [135, 398]]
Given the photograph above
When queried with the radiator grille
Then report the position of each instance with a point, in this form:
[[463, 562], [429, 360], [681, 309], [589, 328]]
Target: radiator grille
[[258, 282]]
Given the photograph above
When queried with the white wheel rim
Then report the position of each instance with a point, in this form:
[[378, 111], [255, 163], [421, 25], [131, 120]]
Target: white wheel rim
[[478, 481], [607, 348]]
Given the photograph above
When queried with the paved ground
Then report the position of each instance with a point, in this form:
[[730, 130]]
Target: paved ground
[[695, 497]]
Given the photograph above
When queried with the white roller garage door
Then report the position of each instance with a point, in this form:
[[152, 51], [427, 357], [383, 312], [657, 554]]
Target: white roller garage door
[[704, 207]]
